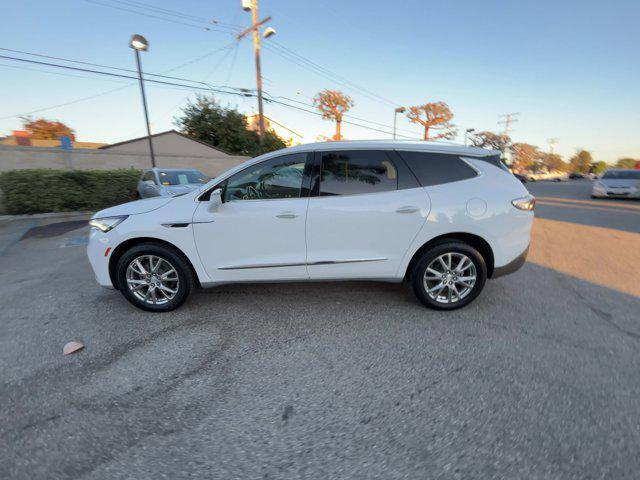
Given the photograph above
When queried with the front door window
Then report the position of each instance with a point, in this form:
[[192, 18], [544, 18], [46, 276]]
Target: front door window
[[278, 178]]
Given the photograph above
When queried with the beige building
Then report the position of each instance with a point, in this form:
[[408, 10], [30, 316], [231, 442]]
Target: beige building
[[21, 138], [170, 142], [285, 133]]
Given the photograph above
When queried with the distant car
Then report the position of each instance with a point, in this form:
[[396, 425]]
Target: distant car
[[168, 182], [576, 176], [561, 178], [617, 183]]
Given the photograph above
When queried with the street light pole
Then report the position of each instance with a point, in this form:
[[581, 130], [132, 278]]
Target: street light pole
[[138, 42], [395, 117]]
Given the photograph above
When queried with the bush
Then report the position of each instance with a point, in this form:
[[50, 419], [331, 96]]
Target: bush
[[46, 190]]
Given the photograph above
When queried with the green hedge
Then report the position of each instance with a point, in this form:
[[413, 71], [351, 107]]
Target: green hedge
[[46, 190]]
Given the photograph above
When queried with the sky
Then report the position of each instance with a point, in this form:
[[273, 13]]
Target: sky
[[569, 68]]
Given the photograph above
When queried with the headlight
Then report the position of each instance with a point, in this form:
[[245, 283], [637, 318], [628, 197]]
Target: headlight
[[107, 223], [527, 203]]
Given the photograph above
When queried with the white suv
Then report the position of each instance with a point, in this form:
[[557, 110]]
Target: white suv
[[443, 218]]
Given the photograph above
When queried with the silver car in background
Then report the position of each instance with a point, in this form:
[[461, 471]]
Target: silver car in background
[[617, 183], [163, 182]]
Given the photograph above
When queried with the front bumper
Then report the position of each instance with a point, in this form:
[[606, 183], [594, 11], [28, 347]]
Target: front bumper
[[512, 266], [99, 251]]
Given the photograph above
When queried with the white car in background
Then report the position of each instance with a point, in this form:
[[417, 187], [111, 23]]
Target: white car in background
[[166, 182], [443, 218], [617, 183]]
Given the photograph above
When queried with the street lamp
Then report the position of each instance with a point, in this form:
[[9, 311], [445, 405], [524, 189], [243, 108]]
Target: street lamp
[[466, 133], [140, 44], [395, 116]]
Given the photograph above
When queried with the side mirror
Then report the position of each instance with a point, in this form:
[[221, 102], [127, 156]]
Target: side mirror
[[215, 200], [149, 183]]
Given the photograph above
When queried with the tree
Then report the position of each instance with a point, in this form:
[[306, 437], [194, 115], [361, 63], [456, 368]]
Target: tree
[[599, 167], [225, 128], [553, 161], [626, 163], [436, 116], [581, 162], [494, 141], [333, 105], [43, 129], [524, 156]]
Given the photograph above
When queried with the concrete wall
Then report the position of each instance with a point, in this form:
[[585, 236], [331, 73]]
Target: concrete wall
[[15, 158]]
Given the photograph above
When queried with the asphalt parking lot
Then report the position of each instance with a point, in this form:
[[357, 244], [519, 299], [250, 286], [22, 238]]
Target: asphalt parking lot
[[538, 378]]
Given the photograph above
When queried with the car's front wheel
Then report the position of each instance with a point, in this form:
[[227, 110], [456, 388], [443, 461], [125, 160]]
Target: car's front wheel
[[449, 275], [154, 277]]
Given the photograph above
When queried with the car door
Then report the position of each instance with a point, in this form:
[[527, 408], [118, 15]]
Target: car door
[[365, 210], [258, 232]]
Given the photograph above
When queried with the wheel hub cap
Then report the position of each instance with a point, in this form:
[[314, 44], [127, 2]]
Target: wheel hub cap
[[450, 277], [152, 279]]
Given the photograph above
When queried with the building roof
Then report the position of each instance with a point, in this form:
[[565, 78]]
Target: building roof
[[168, 132]]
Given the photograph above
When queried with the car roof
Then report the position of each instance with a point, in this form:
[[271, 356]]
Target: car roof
[[437, 147], [621, 170]]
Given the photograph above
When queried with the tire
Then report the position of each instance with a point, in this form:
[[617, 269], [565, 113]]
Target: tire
[[467, 292], [169, 293]]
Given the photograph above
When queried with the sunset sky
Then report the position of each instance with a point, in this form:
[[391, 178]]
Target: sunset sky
[[571, 69]]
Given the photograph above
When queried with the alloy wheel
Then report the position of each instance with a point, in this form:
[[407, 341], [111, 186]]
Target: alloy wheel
[[152, 279], [450, 277]]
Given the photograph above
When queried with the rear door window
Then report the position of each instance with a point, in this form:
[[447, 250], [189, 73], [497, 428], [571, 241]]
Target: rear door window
[[437, 168], [357, 172]]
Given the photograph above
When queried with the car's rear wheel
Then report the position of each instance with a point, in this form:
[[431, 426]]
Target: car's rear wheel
[[154, 277], [449, 275]]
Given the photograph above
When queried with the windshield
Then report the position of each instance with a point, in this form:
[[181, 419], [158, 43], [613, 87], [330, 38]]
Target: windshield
[[182, 177], [622, 174]]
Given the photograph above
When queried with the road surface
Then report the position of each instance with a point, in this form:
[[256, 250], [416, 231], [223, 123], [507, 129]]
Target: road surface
[[538, 378]]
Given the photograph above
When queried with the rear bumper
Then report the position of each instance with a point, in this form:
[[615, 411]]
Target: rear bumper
[[512, 266]]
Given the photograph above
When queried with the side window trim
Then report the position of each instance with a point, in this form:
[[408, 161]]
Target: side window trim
[[304, 190]]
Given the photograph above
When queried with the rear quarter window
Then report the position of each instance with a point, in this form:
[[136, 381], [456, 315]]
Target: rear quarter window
[[437, 168]]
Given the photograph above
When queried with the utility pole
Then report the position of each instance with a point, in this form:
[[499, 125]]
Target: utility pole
[[255, 28], [552, 142], [509, 118]]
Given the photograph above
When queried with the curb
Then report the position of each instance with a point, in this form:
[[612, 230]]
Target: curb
[[44, 215]]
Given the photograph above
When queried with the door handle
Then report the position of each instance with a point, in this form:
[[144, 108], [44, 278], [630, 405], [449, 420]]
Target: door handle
[[287, 215], [407, 209]]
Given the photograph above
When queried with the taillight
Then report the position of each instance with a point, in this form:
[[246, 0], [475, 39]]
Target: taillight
[[527, 203]]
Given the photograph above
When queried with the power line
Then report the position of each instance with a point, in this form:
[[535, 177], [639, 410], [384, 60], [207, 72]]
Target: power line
[[335, 75], [308, 65], [275, 47], [346, 114], [90, 97], [159, 17], [240, 92], [79, 62]]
